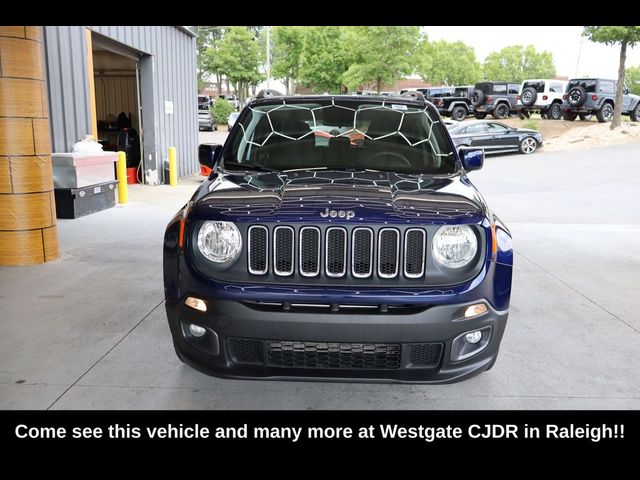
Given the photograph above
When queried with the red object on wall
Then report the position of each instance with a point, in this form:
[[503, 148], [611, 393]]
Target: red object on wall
[[132, 176]]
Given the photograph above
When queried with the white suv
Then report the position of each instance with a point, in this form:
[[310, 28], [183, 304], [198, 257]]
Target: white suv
[[544, 96]]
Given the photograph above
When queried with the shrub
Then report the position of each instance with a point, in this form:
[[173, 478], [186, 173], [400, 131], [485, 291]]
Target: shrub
[[530, 123], [221, 110]]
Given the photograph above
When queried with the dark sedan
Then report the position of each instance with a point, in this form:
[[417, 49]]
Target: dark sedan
[[495, 137]]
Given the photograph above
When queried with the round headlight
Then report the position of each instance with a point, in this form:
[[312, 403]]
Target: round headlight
[[219, 242], [454, 246]]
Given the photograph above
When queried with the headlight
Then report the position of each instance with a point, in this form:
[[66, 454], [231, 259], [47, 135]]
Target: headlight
[[219, 242], [454, 246]]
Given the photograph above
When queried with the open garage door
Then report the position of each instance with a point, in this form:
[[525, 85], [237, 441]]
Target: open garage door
[[116, 75]]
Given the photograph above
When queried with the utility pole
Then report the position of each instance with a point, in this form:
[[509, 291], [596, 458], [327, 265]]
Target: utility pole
[[579, 53], [268, 56]]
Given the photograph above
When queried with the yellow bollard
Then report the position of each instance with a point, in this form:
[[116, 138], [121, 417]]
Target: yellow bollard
[[123, 188], [173, 167]]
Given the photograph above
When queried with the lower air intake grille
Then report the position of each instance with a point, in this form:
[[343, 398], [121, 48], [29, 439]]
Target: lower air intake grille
[[425, 354], [244, 351], [333, 355]]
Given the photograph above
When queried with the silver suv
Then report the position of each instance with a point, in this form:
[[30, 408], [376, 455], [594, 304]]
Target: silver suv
[[586, 96]]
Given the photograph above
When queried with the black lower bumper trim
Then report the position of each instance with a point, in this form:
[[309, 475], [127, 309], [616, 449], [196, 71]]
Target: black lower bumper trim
[[412, 348]]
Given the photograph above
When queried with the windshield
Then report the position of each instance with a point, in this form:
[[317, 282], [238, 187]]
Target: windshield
[[348, 135]]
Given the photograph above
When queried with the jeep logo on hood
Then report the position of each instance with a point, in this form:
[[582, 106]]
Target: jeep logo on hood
[[348, 214]]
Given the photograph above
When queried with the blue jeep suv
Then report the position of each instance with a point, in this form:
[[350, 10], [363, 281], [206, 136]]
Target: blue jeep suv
[[338, 237]]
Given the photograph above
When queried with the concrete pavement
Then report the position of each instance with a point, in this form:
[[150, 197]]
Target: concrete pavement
[[89, 330]]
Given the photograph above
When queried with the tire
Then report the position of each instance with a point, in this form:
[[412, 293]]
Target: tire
[[554, 112], [576, 96], [477, 97], [635, 113], [585, 117], [528, 96], [459, 113], [569, 116], [528, 145], [501, 111], [605, 114], [479, 115]]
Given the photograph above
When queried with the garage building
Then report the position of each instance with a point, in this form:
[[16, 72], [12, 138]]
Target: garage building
[[61, 83]]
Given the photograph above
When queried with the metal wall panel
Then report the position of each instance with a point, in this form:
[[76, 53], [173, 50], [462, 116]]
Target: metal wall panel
[[173, 79]]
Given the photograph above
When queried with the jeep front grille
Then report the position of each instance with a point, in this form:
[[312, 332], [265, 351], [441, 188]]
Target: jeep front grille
[[337, 252], [388, 252], [283, 248]]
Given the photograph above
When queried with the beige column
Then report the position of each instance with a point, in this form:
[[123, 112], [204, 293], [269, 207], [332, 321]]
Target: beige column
[[28, 232]]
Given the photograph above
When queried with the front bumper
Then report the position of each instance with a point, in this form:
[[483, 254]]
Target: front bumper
[[228, 321]]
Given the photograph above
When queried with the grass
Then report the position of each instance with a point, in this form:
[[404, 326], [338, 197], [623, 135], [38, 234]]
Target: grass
[[530, 123]]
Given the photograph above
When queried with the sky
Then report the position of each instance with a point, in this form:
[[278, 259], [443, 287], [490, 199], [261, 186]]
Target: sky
[[596, 60]]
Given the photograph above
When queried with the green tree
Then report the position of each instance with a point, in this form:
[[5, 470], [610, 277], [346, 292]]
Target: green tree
[[238, 59], [381, 54], [632, 79], [323, 59], [626, 36], [207, 41], [287, 42], [449, 63], [517, 63]]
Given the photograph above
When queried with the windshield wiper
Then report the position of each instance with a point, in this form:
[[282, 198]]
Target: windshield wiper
[[251, 167], [336, 169]]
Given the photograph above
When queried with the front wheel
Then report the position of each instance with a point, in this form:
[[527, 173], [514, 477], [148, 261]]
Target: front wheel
[[479, 115], [635, 113], [555, 111], [501, 111], [528, 145], [605, 114], [569, 116]]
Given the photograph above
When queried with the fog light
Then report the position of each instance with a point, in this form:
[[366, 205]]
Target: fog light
[[475, 310], [197, 331], [196, 303], [473, 337]]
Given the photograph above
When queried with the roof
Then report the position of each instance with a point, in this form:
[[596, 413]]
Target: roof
[[185, 30]]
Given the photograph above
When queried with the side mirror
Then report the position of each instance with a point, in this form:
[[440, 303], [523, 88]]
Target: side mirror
[[472, 158], [209, 154]]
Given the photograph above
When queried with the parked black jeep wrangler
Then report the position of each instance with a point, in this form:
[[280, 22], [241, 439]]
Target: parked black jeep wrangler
[[497, 98], [457, 105], [587, 96]]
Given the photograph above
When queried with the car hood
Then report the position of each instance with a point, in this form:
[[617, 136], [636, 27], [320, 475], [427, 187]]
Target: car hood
[[528, 130], [365, 197]]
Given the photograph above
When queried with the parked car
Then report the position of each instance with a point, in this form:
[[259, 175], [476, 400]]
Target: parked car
[[233, 116], [302, 257], [232, 99], [500, 99], [543, 96], [458, 105], [495, 137], [587, 96], [206, 120]]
